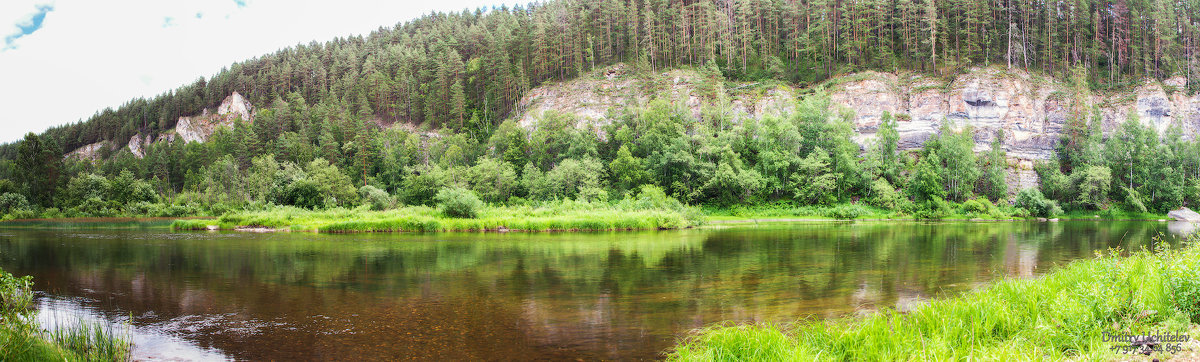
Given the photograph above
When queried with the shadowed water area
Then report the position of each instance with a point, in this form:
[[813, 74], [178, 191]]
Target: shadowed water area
[[454, 296]]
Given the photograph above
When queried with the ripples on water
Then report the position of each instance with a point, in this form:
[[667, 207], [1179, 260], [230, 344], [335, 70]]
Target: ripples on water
[[629, 295], [151, 342]]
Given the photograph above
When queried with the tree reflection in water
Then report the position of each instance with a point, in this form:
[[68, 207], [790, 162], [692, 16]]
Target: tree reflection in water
[[621, 295]]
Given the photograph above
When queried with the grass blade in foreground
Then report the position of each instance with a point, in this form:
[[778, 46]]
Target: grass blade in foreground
[[1061, 315], [21, 339]]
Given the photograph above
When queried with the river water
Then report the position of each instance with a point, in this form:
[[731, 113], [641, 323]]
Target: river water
[[527, 296]]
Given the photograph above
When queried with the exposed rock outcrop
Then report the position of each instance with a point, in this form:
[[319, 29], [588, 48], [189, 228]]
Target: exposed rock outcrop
[[199, 128], [136, 145], [1184, 214], [591, 98], [88, 152], [1029, 112]]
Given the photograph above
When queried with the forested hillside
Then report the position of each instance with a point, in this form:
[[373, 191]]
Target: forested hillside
[[323, 124], [466, 70]]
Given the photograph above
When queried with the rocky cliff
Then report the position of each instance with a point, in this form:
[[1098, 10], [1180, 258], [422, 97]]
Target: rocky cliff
[[1029, 111], [189, 129], [593, 97]]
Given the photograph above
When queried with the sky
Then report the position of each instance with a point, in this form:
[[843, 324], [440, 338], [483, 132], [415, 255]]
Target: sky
[[61, 61]]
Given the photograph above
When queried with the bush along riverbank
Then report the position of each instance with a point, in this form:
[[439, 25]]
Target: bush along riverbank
[[979, 209], [458, 209], [461, 210], [21, 339], [1089, 309]]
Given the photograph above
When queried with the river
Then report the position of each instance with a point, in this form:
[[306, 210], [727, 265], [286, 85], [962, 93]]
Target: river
[[504, 296]]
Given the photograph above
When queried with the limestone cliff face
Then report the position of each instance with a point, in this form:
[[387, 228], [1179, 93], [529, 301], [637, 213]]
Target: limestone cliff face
[[592, 98], [1029, 111], [198, 128], [87, 152]]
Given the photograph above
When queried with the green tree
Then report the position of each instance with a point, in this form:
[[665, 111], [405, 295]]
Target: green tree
[[458, 202], [1092, 183], [334, 186], [960, 171], [38, 167], [493, 180], [422, 183], [570, 176], [627, 171], [814, 183], [994, 164], [925, 181], [887, 141]]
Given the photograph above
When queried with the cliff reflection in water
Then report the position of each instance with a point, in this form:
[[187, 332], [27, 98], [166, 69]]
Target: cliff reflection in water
[[503, 296]]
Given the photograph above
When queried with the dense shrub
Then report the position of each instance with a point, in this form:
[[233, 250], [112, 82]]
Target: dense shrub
[[335, 187], [650, 197], [303, 192], [1037, 204], [974, 206], [846, 211], [10, 202], [567, 178], [422, 183], [883, 195], [925, 181], [458, 202], [592, 194], [494, 180], [933, 208], [1133, 200], [375, 198], [1091, 187]]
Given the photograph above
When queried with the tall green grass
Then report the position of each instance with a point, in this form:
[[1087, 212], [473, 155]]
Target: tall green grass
[[21, 339], [92, 340], [1060, 315], [787, 210], [1112, 214], [552, 216]]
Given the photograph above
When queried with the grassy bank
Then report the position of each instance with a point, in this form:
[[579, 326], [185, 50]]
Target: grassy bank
[[556, 216], [21, 339], [969, 210], [788, 211], [1063, 314], [1113, 214], [571, 215]]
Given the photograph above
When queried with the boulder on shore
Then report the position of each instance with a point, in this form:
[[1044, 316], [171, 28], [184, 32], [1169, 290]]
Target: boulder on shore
[[1184, 214]]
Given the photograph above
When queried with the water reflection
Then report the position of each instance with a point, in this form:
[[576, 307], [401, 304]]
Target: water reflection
[[153, 343], [527, 296]]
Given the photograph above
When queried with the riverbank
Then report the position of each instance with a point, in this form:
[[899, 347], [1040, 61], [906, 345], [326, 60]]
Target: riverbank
[[1072, 312], [21, 339], [587, 216], [967, 211]]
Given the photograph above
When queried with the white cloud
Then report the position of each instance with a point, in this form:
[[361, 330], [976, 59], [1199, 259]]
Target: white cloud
[[89, 55], [16, 17]]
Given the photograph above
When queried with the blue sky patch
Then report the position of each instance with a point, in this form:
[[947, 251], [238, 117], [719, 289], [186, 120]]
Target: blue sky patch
[[30, 26]]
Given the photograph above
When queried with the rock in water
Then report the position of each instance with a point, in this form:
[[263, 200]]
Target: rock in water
[[1184, 214]]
